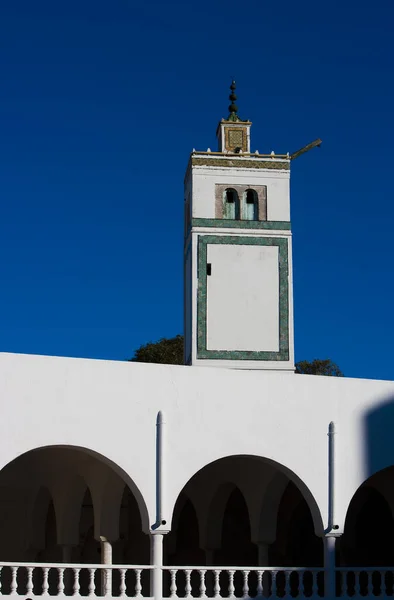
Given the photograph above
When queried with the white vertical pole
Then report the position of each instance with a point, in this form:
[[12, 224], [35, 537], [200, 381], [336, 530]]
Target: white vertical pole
[[329, 566], [160, 439], [330, 537], [158, 532], [157, 562], [331, 475]]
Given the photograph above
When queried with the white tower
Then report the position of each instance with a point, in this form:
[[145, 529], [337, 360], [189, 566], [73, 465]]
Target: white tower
[[238, 263]]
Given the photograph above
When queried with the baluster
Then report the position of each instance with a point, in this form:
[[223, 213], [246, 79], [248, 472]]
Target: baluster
[[273, 583], [389, 582], [92, 586], [107, 574], [138, 585], [382, 583], [369, 583], [315, 587], [245, 588], [60, 586], [122, 585], [45, 583], [14, 585], [356, 583], [301, 582], [1, 581], [287, 583], [173, 583], [259, 584], [216, 588], [188, 587], [29, 585], [203, 587], [76, 582], [231, 586]]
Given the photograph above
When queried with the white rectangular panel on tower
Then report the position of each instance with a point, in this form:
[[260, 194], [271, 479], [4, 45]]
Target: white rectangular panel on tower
[[243, 298]]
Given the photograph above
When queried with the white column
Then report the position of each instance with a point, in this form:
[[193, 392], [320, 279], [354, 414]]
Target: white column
[[329, 565], [106, 559], [157, 563]]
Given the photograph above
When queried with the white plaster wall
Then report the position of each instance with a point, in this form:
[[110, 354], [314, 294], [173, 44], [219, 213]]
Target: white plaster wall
[[205, 178], [111, 408], [243, 298]]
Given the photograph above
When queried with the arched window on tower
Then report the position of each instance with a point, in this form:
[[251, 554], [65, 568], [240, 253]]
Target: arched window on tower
[[251, 206], [231, 204]]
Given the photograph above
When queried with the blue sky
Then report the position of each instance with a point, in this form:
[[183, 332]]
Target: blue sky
[[101, 104]]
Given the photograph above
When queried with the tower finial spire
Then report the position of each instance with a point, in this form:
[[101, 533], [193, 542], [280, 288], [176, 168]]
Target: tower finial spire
[[233, 108]]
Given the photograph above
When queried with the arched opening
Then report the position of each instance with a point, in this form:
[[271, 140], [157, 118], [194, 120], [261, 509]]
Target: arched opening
[[231, 208], [65, 524], [369, 526], [251, 206], [248, 511]]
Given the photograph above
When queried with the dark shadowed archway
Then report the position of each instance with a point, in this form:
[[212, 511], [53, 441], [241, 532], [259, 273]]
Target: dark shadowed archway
[[57, 502], [369, 526], [239, 510]]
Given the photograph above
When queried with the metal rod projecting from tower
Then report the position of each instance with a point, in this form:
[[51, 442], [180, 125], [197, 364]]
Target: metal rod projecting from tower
[[314, 144]]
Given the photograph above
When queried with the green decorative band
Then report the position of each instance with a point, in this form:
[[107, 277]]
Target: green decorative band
[[202, 351], [240, 163], [232, 224]]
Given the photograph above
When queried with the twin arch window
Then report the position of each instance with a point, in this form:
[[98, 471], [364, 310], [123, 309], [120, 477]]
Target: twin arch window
[[246, 209]]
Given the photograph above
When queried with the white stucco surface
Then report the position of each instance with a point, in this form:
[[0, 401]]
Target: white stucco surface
[[243, 298], [204, 180], [110, 408]]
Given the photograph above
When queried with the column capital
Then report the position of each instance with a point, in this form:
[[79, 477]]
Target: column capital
[[159, 531], [332, 534]]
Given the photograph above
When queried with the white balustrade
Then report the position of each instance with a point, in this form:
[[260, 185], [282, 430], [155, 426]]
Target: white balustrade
[[236, 582], [37, 580], [366, 582]]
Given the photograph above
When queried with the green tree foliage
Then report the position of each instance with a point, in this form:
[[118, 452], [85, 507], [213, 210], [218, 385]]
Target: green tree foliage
[[167, 351], [319, 367]]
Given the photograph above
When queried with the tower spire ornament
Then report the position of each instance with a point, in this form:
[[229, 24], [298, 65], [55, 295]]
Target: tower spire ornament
[[233, 108], [233, 133]]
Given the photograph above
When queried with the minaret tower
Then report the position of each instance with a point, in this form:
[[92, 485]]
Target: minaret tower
[[238, 268]]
